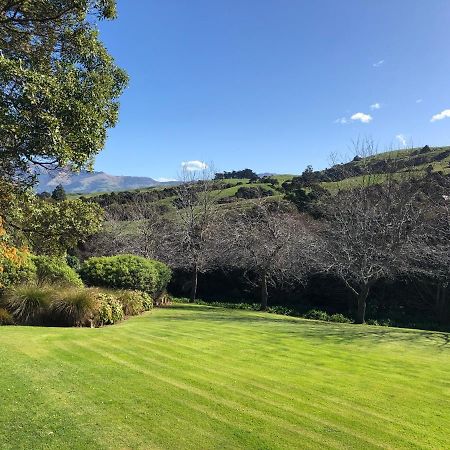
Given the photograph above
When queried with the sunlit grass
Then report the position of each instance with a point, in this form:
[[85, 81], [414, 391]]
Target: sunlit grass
[[202, 378]]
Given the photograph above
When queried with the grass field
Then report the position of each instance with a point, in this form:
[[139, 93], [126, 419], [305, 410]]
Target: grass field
[[205, 378]]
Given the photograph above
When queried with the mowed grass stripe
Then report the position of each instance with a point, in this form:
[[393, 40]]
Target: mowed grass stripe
[[234, 408], [295, 415], [197, 377], [257, 391], [342, 410], [401, 389]]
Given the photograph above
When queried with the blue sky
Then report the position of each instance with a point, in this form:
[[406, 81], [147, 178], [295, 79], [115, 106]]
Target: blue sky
[[274, 85]]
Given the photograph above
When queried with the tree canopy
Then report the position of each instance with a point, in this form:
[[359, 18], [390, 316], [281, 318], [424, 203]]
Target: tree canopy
[[59, 87]]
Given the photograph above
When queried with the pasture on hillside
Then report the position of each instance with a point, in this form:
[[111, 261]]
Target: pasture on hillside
[[196, 377]]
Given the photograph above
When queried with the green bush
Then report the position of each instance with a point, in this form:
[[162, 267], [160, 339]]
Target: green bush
[[316, 314], [283, 310], [164, 277], [132, 302], [147, 301], [126, 272], [340, 318], [109, 310], [74, 262], [5, 317], [56, 270], [29, 304], [75, 307]]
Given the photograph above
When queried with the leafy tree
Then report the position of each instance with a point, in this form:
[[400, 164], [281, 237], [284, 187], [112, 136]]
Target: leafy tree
[[59, 193], [58, 84], [51, 228]]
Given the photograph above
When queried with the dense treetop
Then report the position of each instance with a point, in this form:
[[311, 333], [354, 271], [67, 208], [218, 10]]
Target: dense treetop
[[58, 84]]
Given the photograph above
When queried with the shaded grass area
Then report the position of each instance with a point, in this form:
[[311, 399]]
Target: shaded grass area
[[203, 378]]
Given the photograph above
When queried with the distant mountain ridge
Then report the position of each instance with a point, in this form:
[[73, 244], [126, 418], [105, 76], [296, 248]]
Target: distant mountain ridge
[[86, 182]]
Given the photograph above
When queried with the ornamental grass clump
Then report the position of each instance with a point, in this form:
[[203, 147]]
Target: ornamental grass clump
[[29, 304], [75, 307]]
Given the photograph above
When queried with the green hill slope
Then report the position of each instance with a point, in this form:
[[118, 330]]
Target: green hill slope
[[195, 377]]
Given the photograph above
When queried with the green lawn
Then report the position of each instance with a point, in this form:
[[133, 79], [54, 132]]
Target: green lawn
[[206, 378]]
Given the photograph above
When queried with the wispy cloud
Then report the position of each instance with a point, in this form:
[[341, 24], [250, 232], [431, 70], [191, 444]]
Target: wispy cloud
[[442, 115], [364, 118], [375, 106], [378, 63], [165, 180], [192, 166], [419, 100], [341, 120], [402, 139]]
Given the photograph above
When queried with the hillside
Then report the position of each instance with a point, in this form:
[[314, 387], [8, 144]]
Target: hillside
[[235, 191], [89, 182], [196, 377]]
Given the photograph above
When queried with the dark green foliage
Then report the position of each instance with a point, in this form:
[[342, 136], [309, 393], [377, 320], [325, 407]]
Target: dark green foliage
[[248, 192], [59, 194], [339, 318], [126, 272], [5, 317], [55, 270], [245, 173], [73, 262], [316, 314]]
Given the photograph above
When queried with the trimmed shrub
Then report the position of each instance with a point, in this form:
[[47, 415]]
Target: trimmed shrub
[[126, 272], [5, 317], [75, 307], [56, 270], [28, 304]]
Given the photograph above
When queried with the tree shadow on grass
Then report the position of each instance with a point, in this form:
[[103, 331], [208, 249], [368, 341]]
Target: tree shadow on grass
[[311, 329]]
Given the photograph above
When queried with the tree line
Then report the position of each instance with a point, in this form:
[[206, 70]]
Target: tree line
[[362, 235]]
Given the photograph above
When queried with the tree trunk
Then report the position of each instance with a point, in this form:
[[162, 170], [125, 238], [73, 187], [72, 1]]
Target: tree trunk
[[264, 293], [362, 298], [194, 282]]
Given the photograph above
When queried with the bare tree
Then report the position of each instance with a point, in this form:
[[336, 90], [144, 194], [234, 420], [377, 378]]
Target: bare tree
[[271, 240], [193, 234], [371, 227]]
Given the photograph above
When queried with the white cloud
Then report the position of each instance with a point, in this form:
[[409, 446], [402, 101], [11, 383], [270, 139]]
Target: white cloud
[[341, 120], [165, 180], [419, 100], [401, 138], [442, 115], [378, 63], [364, 118], [192, 166], [375, 106]]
